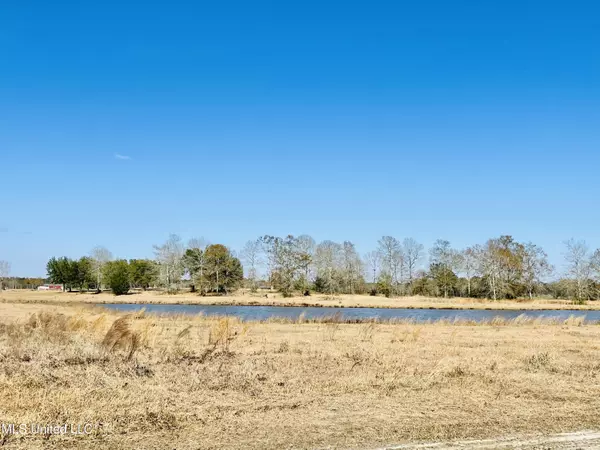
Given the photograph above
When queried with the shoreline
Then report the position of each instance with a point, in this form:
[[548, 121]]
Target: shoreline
[[307, 305], [342, 301]]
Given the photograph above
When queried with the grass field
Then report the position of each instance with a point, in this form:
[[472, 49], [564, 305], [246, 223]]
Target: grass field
[[197, 382], [247, 298]]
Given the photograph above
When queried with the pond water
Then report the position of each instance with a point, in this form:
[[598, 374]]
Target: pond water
[[417, 315]]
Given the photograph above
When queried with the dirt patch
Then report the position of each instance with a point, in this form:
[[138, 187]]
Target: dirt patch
[[564, 441]]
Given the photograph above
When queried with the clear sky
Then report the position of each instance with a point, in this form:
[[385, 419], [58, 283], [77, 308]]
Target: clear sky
[[122, 122]]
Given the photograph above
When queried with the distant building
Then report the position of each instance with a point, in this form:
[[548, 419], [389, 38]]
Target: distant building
[[51, 287]]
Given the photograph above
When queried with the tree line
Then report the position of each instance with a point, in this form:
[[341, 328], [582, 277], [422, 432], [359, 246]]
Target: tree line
[[206, 268], [21, 282], [501, 268]]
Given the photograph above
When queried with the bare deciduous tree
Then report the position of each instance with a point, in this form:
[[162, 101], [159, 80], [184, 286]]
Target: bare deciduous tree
[[469, 265], [595, 262], [413, 253], [283, 262], [446, 261], [535, 267], [306, 246], [392, 259], [169, 257], [352, 267], [579, 267], [4, 272], [490, 266], [251, 256], [271, 248], [100, 256], [328, 258], [500, 262], [198, 243], [373, 260]]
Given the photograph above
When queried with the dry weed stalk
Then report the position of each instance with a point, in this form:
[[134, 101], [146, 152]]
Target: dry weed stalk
[[367, 331], [331, 328], [221, 334]]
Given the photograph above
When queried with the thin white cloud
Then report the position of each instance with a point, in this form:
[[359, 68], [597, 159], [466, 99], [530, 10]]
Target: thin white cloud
[[122, 157]]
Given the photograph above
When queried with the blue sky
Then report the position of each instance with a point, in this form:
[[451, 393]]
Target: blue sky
[[350, 120]]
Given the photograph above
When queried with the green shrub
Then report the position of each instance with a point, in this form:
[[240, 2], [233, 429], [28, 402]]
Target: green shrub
[[384, 285], [117, 276]]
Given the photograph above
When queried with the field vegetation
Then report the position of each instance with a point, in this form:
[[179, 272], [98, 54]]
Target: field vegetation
[[185, 382]]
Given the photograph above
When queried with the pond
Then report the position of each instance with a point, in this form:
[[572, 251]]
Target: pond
[[351, 314]]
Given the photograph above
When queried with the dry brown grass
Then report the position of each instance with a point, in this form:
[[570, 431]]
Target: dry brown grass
[[246, 298], [198, 382]]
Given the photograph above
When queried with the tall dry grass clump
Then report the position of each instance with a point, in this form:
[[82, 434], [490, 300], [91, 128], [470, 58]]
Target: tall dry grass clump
[[120, 336]]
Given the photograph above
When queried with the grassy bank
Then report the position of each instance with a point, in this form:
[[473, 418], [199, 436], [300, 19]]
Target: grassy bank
[[274, 299], [197, 382]]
